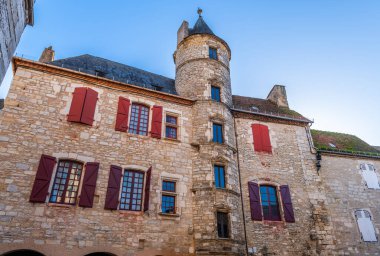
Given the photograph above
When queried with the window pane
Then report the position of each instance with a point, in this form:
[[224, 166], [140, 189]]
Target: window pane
[[168, 204], [219, 176], [66, 182], [138, 123], [215, 93], [131, 192], [222, 224], [171, 119], [168, 186], [269, 203], [171, 132]]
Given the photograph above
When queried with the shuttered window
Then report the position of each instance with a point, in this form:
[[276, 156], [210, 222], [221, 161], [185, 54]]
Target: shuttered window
[[89, 185], [42, 180], [113, 189], [261, 139], [217, 133], [82, 109], [219, 176], [138, 123], [366, 228], [132, 191], [122, 114], [369, 176], [66, 182], [223, 225], [264, 202], [156, 122]]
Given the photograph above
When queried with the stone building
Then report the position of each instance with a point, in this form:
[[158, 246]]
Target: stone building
[[14, 16], [101, 158]]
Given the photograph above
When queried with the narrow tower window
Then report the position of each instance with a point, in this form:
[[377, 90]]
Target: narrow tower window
[[222, 224], [219, 176], [217, 133], [213, 53], [215, 93]]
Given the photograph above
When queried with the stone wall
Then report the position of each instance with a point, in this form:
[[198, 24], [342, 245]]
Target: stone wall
[[346, 192], [290, 163], [33, 122], [14, 16]]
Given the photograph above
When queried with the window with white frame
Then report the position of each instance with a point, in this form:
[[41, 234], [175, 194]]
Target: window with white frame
[[369, 176], [366, 228]]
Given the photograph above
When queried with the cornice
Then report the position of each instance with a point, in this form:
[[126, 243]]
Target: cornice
[[348, 154], [100, 81], [202, 59]]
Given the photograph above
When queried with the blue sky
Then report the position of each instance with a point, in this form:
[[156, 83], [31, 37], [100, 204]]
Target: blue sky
[[326, 52]]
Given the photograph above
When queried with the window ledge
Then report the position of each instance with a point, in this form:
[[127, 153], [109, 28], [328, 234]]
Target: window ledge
[[61, 205], [174, 215], [170, 139], [127, 212]]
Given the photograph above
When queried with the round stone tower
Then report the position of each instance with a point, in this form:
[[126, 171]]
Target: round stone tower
[[203, 74]]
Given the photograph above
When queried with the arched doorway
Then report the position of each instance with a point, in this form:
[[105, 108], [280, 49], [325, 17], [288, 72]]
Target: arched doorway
[[23, 253]]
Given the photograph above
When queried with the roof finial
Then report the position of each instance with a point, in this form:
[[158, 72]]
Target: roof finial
[[199, 12]]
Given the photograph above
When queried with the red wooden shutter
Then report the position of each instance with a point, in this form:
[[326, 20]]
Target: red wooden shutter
[[265, 139], [287, 203], [156, 122], [89, 185], [42, 179], [89, 107], [257, 139], [147, 189], [112, 197], [122, 114], [77, 103], [254, 200]]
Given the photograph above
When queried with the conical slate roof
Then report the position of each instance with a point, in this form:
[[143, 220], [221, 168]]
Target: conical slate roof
[[200, 27]]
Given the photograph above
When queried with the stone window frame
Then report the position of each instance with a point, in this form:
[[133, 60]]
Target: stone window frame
[[68, 157], [358, 228], [361, 173], [267, 182], [226, 210], [175, 194], [178, 126]]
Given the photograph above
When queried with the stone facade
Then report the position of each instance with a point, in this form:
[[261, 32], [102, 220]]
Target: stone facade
[[14, 16], [34, 122]]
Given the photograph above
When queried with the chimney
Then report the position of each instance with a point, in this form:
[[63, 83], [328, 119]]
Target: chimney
[[183, 31], [278, 96], [47, 55]]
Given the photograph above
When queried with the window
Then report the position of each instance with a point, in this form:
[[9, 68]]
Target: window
[[369, 175], [131, 193], [82, 109], [217, 133], [265, 205], [363, 219], [171, 127], [66, 182], [261, 139], [168, 197], [222, 224], [139, 119], [213, 53], [215, 93], [219, 176], [269, 203]]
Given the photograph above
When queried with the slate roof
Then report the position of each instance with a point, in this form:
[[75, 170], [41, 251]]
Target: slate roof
[[325, 140], [116, 71], [264, 106], [200, 27]]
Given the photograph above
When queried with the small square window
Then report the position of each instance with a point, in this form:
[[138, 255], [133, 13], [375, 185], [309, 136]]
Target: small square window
[[213, 53], [215, 93], [223, 225], [217, 133], [171, 127]]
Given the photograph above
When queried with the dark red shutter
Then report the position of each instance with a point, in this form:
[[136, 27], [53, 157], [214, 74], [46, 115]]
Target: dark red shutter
[[77, 104], [265, 139], [254, 200], [122, 114], [147, 189], [156, 122], [89, 185], [287, 203], [42, 180], [89, 107], [112, 197], [257, 142]]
